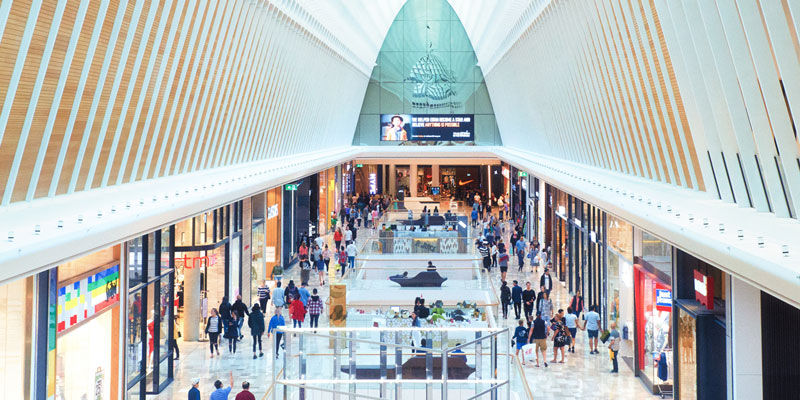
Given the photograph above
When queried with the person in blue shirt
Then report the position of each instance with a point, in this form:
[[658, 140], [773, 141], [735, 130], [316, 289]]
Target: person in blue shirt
[[474, 216], [521, 338], [221, 393], [516, 298], [194, 392], [592, 327], [520, 247], [278, 299], [274, 323], [304, 294]]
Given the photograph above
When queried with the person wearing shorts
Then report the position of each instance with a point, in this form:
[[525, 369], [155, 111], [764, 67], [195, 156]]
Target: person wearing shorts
[[539, 335], [502, 261], [592, 327], [571, 321], [521, 338]]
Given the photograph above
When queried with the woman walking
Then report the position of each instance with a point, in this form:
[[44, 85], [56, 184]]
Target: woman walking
[[298, 312], [326, 263], [337, 237], [561, 336], [545, 307], [256, 323], [213, 328], [232, 334]]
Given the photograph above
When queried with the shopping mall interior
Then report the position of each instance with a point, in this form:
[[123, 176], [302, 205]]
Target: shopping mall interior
[[510, 199]]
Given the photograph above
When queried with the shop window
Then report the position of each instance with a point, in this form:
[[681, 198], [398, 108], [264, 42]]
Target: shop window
[[16, 313], [657, 253]]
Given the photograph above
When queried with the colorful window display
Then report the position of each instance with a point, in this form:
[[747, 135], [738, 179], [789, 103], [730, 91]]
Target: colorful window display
[[91, 295]]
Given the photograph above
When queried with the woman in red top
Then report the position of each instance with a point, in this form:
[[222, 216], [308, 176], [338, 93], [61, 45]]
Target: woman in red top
[[337, 237], [298, 313]]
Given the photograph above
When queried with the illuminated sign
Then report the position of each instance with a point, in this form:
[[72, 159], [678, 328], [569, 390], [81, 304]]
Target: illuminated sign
[[291, 187], [272, 211], [359, 165], [82, 299], [663, 300], [373, 183], [522, 174], [704, 289], [197, 262]]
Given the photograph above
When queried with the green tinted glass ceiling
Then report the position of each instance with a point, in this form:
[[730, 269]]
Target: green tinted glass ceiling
[[426, 65]]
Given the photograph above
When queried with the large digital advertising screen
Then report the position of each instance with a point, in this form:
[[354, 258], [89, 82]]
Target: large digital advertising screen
[[433, 127]]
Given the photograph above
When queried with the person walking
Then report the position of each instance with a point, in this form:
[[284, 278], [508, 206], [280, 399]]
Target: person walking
[[231, 333], [275, 322], [298, 312], [521, 338], [560, 336], [225, 310], [505, 298], [352, 251], [342, 259], [483, 249], [194, 392], [326, 260], [528, 296], [520, 246], [337, 237], [278, 299], [613, 346], [571, 321], [577, 303], [239, 310], [502, 261], [314, 309], [545, 307], [516, 298], [592, 319], [494, 252], [219, 392], [213, 328], [546, 281], [348, 236], [539, 334], [245, 394], [256, 323], [304, 294], [263, 295], [291, 292]]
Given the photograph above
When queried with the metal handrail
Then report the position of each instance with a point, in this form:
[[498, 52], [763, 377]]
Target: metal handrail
[[525, 385]]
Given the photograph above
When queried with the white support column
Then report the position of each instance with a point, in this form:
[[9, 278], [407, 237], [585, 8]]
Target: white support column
[[744, 341], [435, 175], [412, 180], [191, 297]]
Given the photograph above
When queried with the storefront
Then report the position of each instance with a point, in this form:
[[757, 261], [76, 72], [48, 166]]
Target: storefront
[[150, 313], [653, 340], [88, 327], [17, 322], [265, 239], [701, 294], [619, 282]]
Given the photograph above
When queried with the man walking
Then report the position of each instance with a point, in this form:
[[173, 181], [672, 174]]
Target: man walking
[[528, 297], [245, 394], [194, 392], [275, 322], [592, 327], [351, 255], [219, 392], [539, 335], [516, 298], [263, 295], [520, 246], [278, 300]]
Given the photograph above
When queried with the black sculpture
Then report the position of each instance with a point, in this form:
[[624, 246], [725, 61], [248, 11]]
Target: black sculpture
[[422, 279]]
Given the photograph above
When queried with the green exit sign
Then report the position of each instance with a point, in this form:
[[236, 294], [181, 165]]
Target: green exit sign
[[359, 165], [522, 173], [291, 187]]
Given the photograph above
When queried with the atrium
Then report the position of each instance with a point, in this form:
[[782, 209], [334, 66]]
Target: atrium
[[399, 199]]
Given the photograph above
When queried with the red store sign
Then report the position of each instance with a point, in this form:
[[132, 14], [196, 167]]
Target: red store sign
[[704, 289]]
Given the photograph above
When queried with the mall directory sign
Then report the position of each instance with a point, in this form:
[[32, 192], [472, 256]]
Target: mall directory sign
[[428, 127]]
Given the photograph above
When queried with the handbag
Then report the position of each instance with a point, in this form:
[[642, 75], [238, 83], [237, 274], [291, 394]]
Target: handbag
[[604, 336]]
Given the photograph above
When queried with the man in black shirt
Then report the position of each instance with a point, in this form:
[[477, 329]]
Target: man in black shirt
[[539, 335], [528, 297]]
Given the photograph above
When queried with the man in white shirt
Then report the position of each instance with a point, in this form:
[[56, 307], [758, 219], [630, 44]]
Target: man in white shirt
[[348, 236], [351, 251], [319, 241]]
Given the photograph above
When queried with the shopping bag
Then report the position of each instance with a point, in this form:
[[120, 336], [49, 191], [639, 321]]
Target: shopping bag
[[529, 352]]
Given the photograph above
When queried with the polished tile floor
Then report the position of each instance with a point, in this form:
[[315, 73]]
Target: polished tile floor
[[582, 376]]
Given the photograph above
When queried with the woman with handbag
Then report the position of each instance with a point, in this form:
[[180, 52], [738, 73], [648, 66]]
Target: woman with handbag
[[561, 336]]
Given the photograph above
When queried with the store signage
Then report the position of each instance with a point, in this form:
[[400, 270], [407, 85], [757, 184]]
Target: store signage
[[373, 183], [82, 299], [269, 254], [197, 262], [359, 165], [505, 173], [522, 174], [272, 211], [704, 289], [291, 187], [663, 300]]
